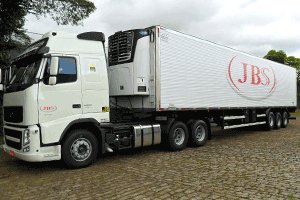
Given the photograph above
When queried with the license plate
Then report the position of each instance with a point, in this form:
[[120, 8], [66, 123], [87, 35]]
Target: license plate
[[11, 153]]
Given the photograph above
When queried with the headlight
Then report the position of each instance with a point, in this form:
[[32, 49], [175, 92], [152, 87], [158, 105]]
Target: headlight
[[26, 137]]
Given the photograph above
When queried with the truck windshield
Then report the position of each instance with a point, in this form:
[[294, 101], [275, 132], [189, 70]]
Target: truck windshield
[[24, 74]]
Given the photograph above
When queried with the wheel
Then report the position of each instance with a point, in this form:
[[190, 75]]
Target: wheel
[[178, 136], [278, 120], [199, 133], [285, 119], [270, 121], [79, 149]]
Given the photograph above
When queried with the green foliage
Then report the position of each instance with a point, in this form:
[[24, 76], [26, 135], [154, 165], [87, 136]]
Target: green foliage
[[13, 13], [62, 11], [281, 57], [277, 56], [294, 62], [12, 35]]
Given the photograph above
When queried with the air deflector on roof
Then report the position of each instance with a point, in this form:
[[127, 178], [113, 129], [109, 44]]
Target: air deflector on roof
[[95, 36]]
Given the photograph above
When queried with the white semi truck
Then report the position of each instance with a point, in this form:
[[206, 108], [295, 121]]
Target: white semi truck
[[63, 101]]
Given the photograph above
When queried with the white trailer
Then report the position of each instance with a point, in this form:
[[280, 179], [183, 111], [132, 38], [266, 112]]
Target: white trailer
[[160, 86], [168, 72], [192, 73]]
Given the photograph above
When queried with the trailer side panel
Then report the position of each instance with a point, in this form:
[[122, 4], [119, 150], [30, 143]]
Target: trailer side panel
[[197, 74]]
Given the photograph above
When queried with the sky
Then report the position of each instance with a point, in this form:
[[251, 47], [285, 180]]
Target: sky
[[252, 26]]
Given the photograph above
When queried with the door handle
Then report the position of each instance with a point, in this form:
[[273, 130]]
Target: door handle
[[76, 106]]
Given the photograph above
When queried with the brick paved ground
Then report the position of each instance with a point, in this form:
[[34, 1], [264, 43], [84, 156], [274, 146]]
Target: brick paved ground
[[236, 164]]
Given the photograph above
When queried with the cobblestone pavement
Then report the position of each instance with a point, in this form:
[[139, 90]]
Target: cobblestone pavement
[[235, 164]]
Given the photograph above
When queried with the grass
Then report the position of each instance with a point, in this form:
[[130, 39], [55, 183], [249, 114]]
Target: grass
[[291, 197], [296, 114]]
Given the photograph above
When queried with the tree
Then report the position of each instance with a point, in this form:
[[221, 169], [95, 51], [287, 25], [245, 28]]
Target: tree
[[281, 57], [277, 56], [13, 13], [294, 62]]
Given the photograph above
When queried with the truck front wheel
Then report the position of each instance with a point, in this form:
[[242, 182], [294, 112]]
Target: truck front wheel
[[199, 133], [178, 136], [79, 149]]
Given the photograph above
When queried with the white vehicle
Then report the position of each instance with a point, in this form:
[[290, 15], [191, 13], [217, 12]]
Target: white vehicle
[[64, 102]]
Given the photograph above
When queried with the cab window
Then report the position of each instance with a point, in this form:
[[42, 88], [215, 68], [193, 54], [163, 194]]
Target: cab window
[[67, 70]]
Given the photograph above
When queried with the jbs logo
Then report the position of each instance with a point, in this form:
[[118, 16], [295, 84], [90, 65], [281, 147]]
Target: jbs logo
[[251, 80], [48, 108]]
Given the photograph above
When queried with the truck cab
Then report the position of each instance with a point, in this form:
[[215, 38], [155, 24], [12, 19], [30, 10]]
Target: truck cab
[[59, 83]]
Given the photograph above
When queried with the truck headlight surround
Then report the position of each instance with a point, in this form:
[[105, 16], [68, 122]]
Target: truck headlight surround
[[26, 137]]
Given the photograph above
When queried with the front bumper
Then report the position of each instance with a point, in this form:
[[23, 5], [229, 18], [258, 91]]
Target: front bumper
[[32, 152], [46, 154]]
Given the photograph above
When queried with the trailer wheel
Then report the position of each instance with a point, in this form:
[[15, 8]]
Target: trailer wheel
[[285, 120], [278, 121], [178, 136], [199, 133], [79, 149], [270, 121]]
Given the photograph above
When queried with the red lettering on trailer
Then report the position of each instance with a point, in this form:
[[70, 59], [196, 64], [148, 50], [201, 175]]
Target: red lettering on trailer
[[250, 80], [255, 75], [245, 73]]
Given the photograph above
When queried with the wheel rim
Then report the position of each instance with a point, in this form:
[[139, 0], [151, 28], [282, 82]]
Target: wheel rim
[[278, 122], [271, 121], [81, 149], [200, 133], [179, 136], [285, 120]]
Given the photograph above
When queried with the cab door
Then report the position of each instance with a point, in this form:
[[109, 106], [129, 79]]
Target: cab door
[[95, 97], [61, 103]]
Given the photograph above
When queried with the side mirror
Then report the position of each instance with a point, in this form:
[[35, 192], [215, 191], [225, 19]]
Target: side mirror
[[52, 80], [53, 71], [54, 66], [152, 36]]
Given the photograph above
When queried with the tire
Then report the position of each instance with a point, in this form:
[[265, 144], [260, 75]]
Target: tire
[[285, 119], [278, 121], [79, 149], [178, 136], [199, 133], [270, 121]]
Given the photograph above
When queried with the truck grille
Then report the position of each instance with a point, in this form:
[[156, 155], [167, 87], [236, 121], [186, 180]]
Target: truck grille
[[13, 138], [120, 47], [13, 114]]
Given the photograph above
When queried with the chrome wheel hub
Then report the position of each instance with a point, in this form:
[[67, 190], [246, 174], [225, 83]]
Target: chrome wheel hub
[[179, 136], [81, 149], [200, 133], [278, 122], [271, 121], [285, 121]]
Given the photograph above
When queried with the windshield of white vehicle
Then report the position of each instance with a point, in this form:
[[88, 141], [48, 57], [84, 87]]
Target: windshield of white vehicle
[[24, 74]]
